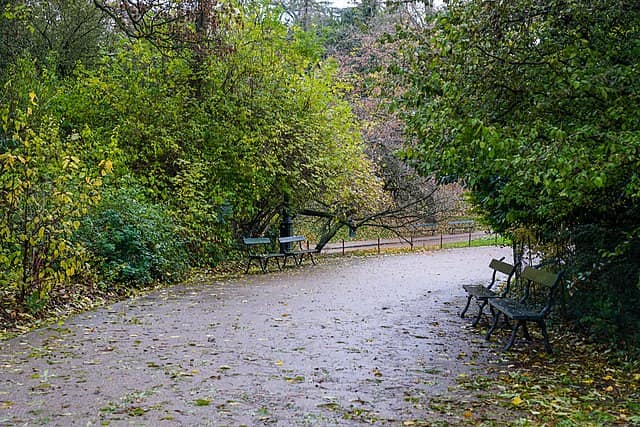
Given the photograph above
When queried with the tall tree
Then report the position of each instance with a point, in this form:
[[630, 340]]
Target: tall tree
[[60, 33], [535, 106], [197, 25], [365, 50]]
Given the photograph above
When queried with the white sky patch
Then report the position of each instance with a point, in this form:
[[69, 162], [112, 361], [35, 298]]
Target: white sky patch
[[351, 3]]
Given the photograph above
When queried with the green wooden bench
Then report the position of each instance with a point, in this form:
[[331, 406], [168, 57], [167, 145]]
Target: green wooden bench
[[540, 288], [258, 250], [292, 247], [465, 226], [502, 274], [430, 227]]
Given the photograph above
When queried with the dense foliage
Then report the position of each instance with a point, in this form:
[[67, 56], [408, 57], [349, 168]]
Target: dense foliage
[[136, 242], [136, 157], [535, 107]]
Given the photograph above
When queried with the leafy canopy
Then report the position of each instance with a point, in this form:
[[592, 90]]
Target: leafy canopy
[[535, 107]]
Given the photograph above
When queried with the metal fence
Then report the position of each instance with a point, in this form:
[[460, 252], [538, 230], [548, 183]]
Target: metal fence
[[435, 240]]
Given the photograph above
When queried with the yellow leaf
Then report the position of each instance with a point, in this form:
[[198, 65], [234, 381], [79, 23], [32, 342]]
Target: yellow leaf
[[409, 423], [607, 378], [609, 389], [517, 401], [279, 363], [467, 414]]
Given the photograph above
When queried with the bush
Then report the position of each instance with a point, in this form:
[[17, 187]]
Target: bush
[[136, 242], [606, 293]]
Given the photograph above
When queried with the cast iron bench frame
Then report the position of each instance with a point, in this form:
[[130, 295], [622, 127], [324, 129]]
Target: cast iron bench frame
[[289, 249], [482, 293], [522, 311], [257, 249]]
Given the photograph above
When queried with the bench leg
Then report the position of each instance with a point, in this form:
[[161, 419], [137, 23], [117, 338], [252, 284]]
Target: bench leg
[[263, 265], [513, 335], [496, 317], [480, 309], [547, 345], [466, 307], [525, 332], [278, 262], [313, 261], [249, 264]]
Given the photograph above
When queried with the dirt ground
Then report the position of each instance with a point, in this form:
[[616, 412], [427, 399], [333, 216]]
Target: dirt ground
[[349, 341]]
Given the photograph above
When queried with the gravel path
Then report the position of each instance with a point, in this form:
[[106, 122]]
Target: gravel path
[[350, 341]]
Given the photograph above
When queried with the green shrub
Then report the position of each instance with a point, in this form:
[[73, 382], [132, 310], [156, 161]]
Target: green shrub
[[136, 242], [605, 295]]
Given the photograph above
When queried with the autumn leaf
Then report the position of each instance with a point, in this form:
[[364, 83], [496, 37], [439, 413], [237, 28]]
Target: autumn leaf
[[517, 401]]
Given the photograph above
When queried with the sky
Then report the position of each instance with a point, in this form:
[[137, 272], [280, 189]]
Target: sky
[[351, 3]]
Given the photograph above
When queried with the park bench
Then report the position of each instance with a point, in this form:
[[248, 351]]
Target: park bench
[[482, 293], [258, 250], [430, 227], [540, 288], [292, 247], [465, 226]]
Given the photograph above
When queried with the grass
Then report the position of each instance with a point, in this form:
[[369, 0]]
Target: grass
[[494, 240]]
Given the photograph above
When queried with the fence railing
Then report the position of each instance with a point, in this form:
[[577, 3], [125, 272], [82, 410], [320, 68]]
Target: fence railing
[[435, 240]]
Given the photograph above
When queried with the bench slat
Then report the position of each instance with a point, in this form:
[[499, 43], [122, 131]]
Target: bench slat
[[501, 266], [542, 277], [256, 240], [291, 239], [479, 291], [516, 311]]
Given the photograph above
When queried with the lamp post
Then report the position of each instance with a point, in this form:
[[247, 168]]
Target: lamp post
[[286, 227]]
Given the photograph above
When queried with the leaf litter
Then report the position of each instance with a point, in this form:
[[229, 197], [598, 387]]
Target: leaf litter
[[391, 355]]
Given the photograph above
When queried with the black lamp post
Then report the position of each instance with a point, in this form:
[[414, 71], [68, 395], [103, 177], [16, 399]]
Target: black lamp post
[[286, 227]]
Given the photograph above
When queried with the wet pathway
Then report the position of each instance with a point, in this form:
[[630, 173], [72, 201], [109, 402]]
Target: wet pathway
[[352, 340]]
